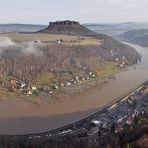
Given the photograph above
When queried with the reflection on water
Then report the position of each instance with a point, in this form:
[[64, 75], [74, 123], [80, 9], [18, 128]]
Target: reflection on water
[[58, 111]]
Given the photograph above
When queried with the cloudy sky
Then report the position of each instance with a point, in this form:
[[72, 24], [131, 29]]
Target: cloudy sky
[[85, 11]]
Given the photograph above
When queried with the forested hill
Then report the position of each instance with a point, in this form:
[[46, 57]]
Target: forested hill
[[139, 37]]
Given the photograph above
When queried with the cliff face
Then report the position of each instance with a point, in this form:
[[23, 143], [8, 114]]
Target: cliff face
[[70, 24], [67, 27]]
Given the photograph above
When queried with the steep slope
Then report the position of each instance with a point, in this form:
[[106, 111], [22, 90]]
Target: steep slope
[[109, 44], [67, 27], [139, 37]]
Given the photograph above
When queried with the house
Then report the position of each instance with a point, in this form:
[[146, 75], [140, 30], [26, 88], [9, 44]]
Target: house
[[74, 82], [123, 58], [23, 85], [59, 41], [29, 93], [56, 86], [87, 78], [93, 75], [121, 65], [12, 89], [68, 84], [62, 85], [13, 82], [83, 78], [117, 59], [33, 88], [77, 78], [37, 41], [90, 73], [46, 89]]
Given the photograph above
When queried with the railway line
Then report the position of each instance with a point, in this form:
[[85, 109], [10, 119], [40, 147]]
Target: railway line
[[110, 117]]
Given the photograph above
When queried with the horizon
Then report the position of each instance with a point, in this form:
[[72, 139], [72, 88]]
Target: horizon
[[83, 11], [87, 23]]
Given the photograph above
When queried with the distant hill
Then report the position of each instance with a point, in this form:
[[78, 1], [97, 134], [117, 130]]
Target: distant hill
[[139, 37], [67, 27], [116, 29], [20, 27]]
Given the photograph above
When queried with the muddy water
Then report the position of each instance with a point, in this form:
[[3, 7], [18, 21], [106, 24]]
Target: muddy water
[[19, 116]]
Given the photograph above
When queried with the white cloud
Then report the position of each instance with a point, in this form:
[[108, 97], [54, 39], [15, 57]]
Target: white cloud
[[5, 42]]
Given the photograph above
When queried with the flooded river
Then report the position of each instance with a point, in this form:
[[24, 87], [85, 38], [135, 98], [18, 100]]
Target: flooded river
[[18, 116]]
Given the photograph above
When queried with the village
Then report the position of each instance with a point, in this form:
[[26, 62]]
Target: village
[[19, 88], [25, 88], [114, 118], [28, 89]]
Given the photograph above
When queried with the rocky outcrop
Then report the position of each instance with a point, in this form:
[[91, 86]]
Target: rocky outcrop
[[108, 43], [67, 27]]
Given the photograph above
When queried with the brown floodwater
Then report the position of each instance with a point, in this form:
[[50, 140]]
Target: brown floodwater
[[21, 116]]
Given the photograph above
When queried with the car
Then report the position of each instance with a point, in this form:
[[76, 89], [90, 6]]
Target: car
[[65, 131], [112, 117], [119, 120], [96, 122], [104, 124]]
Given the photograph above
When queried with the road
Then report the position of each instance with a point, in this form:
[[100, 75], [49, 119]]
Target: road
[[116, 115]]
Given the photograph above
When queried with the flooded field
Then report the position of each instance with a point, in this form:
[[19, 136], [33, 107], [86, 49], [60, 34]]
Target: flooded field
[[20, 116]]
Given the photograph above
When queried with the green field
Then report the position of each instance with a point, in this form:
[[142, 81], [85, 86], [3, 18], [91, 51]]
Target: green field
[[19, 37], [43, 37], [7, 94]]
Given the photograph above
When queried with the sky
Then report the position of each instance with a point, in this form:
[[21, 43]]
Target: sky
[[84, 11]]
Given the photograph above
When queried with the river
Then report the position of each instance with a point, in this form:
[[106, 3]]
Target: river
[[18, 116]]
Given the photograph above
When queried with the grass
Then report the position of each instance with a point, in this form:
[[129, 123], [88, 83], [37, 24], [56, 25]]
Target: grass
[[107, 70], [64, 76], [39, 36], [83, 42], [68, 39], [6, 94], [45, 78]]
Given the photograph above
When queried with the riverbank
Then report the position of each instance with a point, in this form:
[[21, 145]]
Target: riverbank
[[73, 89], [21, 115]]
